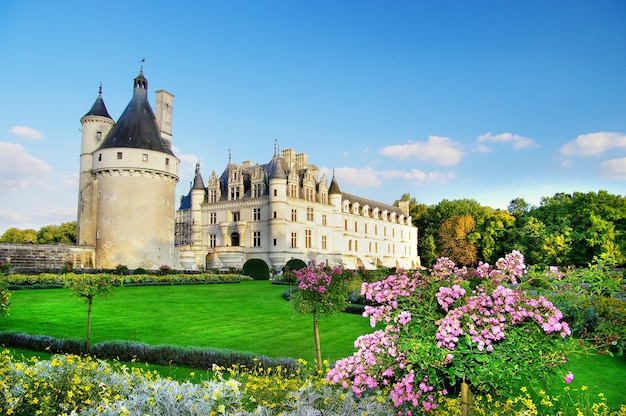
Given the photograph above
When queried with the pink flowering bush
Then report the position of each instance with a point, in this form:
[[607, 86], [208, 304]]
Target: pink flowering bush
[[449, 325], [322, 290]]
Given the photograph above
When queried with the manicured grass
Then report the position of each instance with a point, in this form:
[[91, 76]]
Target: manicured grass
[[247, 316]]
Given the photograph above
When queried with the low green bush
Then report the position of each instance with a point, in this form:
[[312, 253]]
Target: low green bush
[[256, 269], [192, 357]]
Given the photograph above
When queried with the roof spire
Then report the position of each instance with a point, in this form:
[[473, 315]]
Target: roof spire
[[142, 62], [229, 156], [100, 90], [275, 144]]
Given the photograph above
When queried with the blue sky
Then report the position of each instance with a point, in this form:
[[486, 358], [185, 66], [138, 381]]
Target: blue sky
[[488, 100]]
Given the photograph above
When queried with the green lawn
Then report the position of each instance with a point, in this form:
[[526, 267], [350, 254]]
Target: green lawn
[[248, 316]]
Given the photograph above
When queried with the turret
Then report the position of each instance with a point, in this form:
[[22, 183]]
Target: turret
[[197, 198], [96, 124]]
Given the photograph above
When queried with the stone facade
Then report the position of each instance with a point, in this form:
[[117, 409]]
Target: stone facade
[[37, 257], [284, 210]]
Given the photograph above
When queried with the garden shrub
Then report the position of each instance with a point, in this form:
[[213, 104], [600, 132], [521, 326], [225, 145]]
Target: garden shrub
[[257, 269], [41, 343], [140, 270], [294, 264]]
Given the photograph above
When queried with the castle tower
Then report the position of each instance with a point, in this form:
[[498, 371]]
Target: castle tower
[[135, 175], [278, 213], [96, 124]]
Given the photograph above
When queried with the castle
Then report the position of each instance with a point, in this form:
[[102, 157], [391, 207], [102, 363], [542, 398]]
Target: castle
[[275, 212]]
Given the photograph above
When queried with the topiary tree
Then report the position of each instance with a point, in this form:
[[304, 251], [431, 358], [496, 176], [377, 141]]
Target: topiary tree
[[89, 286], [322, 291], [256, 269]]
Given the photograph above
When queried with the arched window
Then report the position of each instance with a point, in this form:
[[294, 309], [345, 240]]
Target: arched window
[[234, 239]]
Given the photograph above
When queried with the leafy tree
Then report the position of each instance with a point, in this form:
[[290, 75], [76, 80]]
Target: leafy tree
[[17, 236], [322, 291], [57, 234], [455, 240], [88, 286]]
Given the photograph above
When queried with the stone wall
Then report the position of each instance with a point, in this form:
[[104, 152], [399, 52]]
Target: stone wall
[[40, 256]]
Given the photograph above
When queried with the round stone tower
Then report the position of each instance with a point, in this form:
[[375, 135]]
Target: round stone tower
[[96, 124], [134, 178]]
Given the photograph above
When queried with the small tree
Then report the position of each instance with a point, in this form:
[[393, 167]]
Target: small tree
[[88, 286], [5, 298], [322, 291]]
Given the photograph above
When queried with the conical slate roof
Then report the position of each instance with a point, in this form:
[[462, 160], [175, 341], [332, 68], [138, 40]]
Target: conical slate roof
[[334, 187], [137, 126], [198, 183], [276, 168], [98, 108]]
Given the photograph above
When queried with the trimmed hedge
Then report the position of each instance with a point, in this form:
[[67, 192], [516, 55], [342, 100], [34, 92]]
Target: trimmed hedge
[[191, 357], [52, 280], [256, 269]]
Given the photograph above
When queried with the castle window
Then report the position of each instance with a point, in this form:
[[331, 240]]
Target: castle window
[[256, 214], [310, 216], [213, 195], [167, 161], [236, 216], [294, 215], [275, 214], [356, 226], [99, 157], [144, 157], [234, 239], [274, 241], [213, 218], [257, 190], [234, 193], [212, 240], [98, 135], [294, 240], [324, 220], [257, 239], [308, 238], [119, 155], [275, 192], [323, 242]]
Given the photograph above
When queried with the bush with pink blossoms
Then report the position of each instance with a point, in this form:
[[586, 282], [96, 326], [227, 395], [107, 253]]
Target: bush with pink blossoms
[[322, 290], [449, 325]]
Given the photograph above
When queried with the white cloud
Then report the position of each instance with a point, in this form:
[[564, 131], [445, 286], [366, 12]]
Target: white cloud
[[418, 177], [518, 142], [593, 143], [18, 169], [438, 150], [27, 132], [35, 219], [614, 169], [360, 178], [368, 177]]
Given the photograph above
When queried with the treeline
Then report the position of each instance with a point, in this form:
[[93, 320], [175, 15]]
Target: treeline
[[49, 234], [564, 230]]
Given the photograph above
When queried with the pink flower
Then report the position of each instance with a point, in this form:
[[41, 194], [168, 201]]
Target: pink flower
[[569, 377]]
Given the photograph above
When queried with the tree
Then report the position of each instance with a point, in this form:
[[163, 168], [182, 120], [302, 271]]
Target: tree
[[57, 234], [17, 236], [322, 291], [88, 286], [455, 242]]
